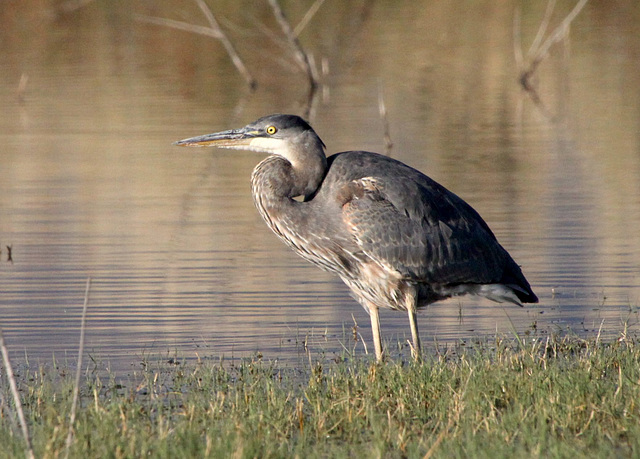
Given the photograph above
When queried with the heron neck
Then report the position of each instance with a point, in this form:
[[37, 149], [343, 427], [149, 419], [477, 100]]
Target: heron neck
[[275, 183], [279, 178]]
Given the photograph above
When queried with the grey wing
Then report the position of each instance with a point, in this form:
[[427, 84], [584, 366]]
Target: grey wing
[[436, 240]]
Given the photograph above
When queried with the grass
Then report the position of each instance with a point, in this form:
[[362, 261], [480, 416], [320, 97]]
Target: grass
[[528, 398]]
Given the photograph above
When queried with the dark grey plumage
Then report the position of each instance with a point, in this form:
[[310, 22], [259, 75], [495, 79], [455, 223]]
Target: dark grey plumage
[[396, 237]]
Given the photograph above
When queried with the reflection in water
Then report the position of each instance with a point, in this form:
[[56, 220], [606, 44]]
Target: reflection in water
[[91, 186]]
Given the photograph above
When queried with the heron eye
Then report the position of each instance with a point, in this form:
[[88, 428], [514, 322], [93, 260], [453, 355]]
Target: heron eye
[[271, 130]]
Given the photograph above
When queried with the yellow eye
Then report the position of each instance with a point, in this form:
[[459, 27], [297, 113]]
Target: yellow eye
[[271, 130]]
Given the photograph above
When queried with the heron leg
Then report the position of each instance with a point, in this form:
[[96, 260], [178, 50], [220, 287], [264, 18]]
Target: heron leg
[[413, 323], [375, 329]]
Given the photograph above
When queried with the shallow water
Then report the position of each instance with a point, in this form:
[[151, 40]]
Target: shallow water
[[180, 261]]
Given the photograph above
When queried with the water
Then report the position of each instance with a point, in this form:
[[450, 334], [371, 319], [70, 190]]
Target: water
[[90, 185]]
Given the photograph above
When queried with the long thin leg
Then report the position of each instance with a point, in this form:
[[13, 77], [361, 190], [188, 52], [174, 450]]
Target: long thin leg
[[375, 329], [413, 323]]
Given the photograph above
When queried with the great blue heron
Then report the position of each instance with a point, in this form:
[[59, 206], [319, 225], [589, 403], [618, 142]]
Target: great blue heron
[[396, 237]]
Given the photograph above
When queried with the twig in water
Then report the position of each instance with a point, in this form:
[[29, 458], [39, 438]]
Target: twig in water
[[542, 29], [539, 49], [16, 397], [517, 39], [388, 143], [228, 46], [74, 403], [558, 34], [214, 30], [180, 25], [22, 87], [307, 17], [302, 57]]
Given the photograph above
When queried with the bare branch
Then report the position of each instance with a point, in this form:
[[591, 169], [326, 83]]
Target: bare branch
[[208, 14], [228, 46], [180, 25], [214, 30], [301, 56], [388, 143], [558, 34], [307, 17], [517, 39], [540, 48], [543, 27], [22, 86]]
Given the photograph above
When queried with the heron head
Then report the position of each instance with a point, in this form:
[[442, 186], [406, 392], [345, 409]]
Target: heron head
[[283, 135]]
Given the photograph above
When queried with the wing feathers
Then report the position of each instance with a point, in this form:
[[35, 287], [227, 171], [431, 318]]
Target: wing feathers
[[433, 241]]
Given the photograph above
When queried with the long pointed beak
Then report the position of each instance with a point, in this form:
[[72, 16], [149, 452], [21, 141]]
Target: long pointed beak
[[231, 138]]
